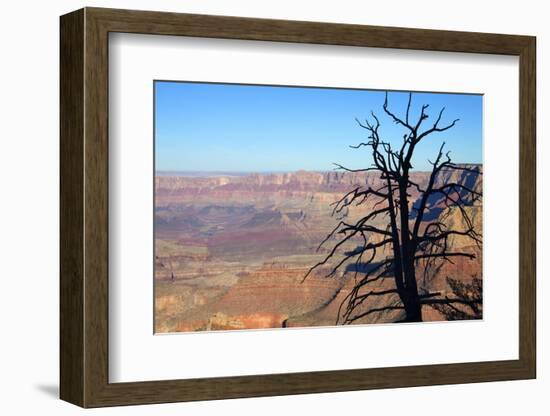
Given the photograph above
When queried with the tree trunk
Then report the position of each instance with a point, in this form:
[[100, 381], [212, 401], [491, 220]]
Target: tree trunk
[[411, 300], [413, 309]]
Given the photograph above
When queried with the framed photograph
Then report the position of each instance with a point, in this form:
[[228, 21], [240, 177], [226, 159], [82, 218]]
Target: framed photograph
[[255, 207]]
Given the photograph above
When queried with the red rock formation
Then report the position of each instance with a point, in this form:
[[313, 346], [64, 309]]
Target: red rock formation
[[238, 247]]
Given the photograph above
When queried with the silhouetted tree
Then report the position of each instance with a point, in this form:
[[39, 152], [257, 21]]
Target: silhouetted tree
[[415, 237]]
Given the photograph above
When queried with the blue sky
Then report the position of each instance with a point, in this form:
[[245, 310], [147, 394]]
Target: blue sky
[[228, 127]]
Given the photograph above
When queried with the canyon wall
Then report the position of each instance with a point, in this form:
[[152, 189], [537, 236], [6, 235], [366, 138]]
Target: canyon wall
[[232, 250]]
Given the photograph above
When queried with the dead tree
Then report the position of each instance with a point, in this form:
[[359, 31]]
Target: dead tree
[[408, 242]]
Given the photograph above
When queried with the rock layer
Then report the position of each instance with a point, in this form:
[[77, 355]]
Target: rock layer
[[231, 251]]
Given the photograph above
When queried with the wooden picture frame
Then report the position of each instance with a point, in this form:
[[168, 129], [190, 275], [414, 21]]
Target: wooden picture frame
[[84, 207]]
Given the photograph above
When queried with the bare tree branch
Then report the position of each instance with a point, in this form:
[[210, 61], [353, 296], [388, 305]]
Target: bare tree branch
[[408, 243]]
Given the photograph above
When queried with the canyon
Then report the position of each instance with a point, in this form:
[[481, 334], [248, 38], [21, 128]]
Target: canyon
[[232, 249]]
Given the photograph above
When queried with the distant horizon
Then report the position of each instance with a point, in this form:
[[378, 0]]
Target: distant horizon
[[258, 128], [183, 172]]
